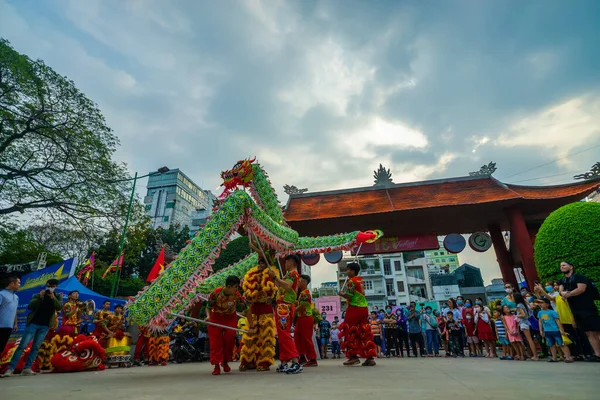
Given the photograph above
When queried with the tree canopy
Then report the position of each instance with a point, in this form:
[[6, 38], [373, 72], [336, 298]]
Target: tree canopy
[[572, 234], [55, 147]]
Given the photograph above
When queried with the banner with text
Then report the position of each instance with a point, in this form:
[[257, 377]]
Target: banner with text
[[61, 271], [428, 241]]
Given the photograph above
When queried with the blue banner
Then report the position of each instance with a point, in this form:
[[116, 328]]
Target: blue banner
[[37, 279]]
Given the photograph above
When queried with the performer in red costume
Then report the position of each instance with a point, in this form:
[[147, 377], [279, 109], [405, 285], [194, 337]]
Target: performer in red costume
[[71, 318], [304, 333], [284, 314], [355, 333], [223, 303]]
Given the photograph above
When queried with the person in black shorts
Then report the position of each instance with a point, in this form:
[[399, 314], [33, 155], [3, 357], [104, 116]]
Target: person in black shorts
[[580, 293]]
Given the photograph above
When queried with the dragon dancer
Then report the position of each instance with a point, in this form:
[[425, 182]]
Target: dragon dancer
[[71, 316], [303, 334], [355, 332], [284, 314], [258, 348], [223, 303]]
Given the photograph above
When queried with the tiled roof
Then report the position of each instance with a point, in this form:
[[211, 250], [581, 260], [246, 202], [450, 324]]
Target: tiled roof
[[423, 195]]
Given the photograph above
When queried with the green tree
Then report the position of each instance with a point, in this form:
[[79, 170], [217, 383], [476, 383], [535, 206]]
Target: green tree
[[234, 252], [18, 246], [572, 234], [55, 147]]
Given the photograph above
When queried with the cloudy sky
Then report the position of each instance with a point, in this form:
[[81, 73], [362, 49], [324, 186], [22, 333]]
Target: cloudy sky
[[323, 91]]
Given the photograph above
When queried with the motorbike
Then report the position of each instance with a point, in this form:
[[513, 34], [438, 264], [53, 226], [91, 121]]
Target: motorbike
[[186, 346]]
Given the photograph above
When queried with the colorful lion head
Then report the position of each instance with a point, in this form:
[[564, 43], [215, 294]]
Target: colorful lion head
[[85, 354]]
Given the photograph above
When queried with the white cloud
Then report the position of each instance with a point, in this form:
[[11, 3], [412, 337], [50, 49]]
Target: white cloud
[[558, 128]]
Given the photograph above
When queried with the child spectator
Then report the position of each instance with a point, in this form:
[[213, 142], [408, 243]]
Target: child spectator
[[335, 341], [484, 329], [452, 335], [501, 335], [376, 331], [441, 329], [523, 313], [512, 332], [552, 330], [471, 332]]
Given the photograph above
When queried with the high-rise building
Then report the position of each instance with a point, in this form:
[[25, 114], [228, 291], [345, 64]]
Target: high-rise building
[[440, 261], [394, 278], [173, 198]]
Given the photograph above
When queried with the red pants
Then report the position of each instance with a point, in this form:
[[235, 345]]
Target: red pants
[[355, 334], [142, 344], [303, 337], [221, 340], [284, 315]]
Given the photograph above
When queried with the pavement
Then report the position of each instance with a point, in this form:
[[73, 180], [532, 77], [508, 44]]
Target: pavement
[[422, 378]]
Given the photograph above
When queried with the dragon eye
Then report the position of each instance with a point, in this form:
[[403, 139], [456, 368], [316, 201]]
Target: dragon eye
[[85, 354]]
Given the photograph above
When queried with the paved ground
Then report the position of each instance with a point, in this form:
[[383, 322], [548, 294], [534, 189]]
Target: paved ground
[[422, 379]]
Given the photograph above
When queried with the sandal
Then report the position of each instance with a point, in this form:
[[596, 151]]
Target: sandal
[[352, 361]]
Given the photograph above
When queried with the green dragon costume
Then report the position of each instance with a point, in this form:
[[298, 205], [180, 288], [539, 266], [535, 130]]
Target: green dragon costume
[[190, 277]]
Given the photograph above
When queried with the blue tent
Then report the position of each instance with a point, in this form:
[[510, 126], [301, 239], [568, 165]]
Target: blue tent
[[64, 287]]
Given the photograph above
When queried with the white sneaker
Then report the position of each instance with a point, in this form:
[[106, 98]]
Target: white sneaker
[[28, 372], [7, 374]]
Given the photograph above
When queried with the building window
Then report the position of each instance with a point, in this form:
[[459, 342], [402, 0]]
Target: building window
[[368, 285], [400, 285], [387, 267], [452, 259], [389, 288], [148, 207], [166, 218], [443, 260], [170, 205], [397, 266]]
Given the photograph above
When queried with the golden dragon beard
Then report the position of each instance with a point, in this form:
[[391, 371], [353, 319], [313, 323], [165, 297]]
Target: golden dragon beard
[[258, 286], [258, 349]]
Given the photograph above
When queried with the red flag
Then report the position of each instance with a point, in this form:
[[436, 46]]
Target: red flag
[[86, 271], [113, 267], [159, 266]]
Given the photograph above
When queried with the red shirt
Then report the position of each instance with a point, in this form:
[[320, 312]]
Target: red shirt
[[219, 303], [469, 325]]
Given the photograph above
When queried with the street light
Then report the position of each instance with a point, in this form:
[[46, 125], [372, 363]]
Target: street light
[[122, 245]]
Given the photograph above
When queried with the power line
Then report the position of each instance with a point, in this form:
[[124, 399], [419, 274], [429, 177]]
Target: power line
[[548, 176], [552, 162]]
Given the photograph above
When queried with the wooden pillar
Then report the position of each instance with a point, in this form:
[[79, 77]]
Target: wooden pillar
[[502, 254], [524, 245]]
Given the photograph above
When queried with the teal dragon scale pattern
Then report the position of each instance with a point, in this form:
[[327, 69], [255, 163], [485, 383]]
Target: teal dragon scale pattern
[[190, 275]]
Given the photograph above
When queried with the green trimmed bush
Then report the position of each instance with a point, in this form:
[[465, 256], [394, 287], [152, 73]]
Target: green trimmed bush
[[571, 233]]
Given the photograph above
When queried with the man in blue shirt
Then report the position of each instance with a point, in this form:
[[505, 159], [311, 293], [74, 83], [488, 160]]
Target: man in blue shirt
[[9, 302]]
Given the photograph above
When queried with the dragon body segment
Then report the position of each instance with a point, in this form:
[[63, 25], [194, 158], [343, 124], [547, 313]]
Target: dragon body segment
[[190, 275]]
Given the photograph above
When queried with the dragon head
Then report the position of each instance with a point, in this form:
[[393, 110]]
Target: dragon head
[[240, 175], [85, 354]]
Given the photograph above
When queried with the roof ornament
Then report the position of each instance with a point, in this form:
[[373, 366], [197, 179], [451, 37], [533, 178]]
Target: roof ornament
[[594, 173], [485, 170], [382, 176], [291, 189]]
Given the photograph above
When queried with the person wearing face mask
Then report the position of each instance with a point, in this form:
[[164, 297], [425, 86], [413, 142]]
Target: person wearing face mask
[[547, 291], [44, 307], [509, 299], [324, 330], [431, 333], [402, 333], [391, 338]]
